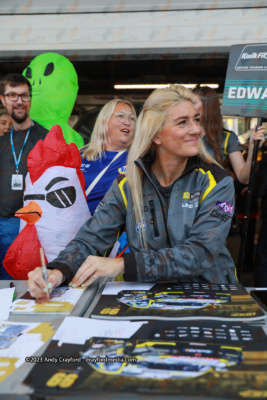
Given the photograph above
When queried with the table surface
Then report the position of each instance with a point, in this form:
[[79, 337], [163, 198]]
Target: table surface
[[13, 389], [12, 385]]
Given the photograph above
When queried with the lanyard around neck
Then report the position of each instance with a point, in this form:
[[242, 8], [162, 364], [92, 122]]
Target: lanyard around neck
[[17, 160]]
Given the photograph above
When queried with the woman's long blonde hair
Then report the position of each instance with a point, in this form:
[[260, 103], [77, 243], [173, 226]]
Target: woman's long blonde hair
[[96, 147], [149, 124]]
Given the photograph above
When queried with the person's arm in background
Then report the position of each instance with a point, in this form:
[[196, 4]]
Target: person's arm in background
[[240, 166]]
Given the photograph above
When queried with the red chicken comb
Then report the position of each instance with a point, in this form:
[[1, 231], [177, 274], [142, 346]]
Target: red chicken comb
[[54, 151]]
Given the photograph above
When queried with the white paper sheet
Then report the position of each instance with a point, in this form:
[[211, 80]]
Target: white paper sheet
[[77, 330], [63, 300], [116, 287], [6, 297]]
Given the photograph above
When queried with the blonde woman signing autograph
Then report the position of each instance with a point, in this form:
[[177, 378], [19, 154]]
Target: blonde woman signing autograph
[[175, 201]]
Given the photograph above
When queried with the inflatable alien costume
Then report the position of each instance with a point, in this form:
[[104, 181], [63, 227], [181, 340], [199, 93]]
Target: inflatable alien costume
[[54, 90]]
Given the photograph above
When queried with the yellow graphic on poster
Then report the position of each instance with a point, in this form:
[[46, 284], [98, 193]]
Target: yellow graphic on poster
[[7, 366], [52, 306], [46, 331]]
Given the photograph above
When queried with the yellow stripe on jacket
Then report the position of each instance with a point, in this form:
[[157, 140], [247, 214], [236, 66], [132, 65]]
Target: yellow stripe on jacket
[[122, 182], [212, 183]]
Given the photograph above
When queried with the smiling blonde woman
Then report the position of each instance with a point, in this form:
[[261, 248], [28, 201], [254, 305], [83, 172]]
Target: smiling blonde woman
[[175, 201]]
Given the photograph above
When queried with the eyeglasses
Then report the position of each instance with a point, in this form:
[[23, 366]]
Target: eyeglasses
[[122, 117], [61, 198], [25, 97]]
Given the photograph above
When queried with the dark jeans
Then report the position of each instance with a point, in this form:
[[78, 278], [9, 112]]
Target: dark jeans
[[260, 275]]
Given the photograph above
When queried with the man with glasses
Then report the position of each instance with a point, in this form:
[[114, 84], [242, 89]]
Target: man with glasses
[[15, 147]]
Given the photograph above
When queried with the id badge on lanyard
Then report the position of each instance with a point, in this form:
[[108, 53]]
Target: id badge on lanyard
[[17, 182], [17, 179]]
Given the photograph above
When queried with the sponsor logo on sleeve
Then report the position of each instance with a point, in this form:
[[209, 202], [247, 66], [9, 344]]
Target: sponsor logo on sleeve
[[220, 215], [225, 206]]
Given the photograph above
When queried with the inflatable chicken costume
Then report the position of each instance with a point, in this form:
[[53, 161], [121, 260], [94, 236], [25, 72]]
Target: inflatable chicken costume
[[55, 204]]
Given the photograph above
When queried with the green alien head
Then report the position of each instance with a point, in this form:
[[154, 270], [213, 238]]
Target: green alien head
[[54, 90]]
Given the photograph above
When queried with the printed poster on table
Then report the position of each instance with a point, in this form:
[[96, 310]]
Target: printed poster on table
[[203, 358], [177, 301]]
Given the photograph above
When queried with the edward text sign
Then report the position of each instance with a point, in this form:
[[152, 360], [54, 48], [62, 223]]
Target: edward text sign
[[245, 90]]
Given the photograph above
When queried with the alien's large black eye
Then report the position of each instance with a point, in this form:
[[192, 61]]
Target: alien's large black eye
[[28, 73], [49, 69]]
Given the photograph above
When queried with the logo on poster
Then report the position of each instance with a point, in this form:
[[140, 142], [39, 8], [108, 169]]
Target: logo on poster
[[252, 58]]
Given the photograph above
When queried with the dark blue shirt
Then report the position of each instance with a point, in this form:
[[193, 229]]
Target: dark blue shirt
[[91, 169]]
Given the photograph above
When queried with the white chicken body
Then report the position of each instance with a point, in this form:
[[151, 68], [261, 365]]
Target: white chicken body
[[64, 208]]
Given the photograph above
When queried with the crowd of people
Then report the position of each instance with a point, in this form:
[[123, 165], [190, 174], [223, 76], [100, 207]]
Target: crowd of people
[[160, 178]]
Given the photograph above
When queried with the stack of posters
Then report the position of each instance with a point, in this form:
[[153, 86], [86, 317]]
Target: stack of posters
[[18, 342], [203, 358], [185, 301], [62, 300]]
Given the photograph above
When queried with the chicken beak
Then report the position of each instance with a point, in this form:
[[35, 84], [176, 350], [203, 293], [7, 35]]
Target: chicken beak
[[30, 213]]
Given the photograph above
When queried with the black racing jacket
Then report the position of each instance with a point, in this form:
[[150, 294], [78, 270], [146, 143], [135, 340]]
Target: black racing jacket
[[184, 241]]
